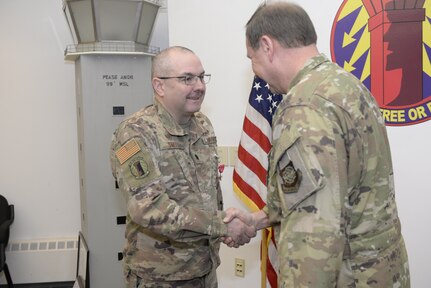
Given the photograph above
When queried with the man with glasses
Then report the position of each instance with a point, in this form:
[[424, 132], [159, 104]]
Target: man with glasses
[[164, 158]]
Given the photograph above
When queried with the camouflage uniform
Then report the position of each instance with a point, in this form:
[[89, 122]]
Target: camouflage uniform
[[169, 176], [330, 185]]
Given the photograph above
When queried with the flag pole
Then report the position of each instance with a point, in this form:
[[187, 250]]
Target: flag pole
[[264, 257]]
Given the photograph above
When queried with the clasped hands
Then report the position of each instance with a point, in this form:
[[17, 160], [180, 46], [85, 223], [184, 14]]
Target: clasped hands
[[241, 227]]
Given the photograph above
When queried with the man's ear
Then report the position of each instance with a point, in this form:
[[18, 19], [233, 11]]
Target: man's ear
[[267, 44], [158, 86]]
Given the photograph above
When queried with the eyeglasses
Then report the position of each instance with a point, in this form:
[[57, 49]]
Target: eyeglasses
[[191, 79]]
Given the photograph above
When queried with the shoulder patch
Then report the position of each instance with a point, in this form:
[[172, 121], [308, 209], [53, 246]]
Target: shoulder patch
[[291, 178], [127, 150], [139, 168]]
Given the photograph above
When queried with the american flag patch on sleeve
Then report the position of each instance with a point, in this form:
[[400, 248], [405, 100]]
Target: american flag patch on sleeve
[[127, 150]]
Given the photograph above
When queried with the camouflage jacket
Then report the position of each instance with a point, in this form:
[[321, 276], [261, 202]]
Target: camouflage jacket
[[169, 177], [330, 185]]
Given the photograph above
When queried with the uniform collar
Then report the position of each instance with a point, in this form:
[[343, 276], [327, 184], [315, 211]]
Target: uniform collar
[[310, 65], [172, 127]]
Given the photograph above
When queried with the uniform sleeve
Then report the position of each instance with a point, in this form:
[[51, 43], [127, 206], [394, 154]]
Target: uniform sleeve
[[148, 205], [306, 178]]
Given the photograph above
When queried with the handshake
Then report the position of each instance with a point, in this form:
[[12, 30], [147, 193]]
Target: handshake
[[242, 226]]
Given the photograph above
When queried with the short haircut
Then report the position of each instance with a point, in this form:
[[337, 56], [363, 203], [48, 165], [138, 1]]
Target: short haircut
[[287, 23], [161, 63]]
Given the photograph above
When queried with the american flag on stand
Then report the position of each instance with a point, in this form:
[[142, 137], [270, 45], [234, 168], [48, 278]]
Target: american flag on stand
[[249, 175]]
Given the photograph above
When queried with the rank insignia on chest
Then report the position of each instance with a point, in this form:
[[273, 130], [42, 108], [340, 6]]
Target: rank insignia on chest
[[139, 168], [290, 178]]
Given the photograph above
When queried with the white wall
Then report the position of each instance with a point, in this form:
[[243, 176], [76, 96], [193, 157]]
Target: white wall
[[38, 150], [38, 144]]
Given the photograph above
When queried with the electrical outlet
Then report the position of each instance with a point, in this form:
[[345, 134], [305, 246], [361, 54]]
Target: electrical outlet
[[239, 267]]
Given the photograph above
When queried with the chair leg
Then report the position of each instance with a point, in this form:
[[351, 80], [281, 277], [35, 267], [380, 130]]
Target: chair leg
[[8, 278]]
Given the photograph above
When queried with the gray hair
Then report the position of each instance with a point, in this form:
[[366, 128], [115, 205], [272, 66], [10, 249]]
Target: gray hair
[[287, 23]]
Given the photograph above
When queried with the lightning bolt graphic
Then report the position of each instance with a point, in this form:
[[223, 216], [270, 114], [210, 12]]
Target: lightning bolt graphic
[[363, 43]]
